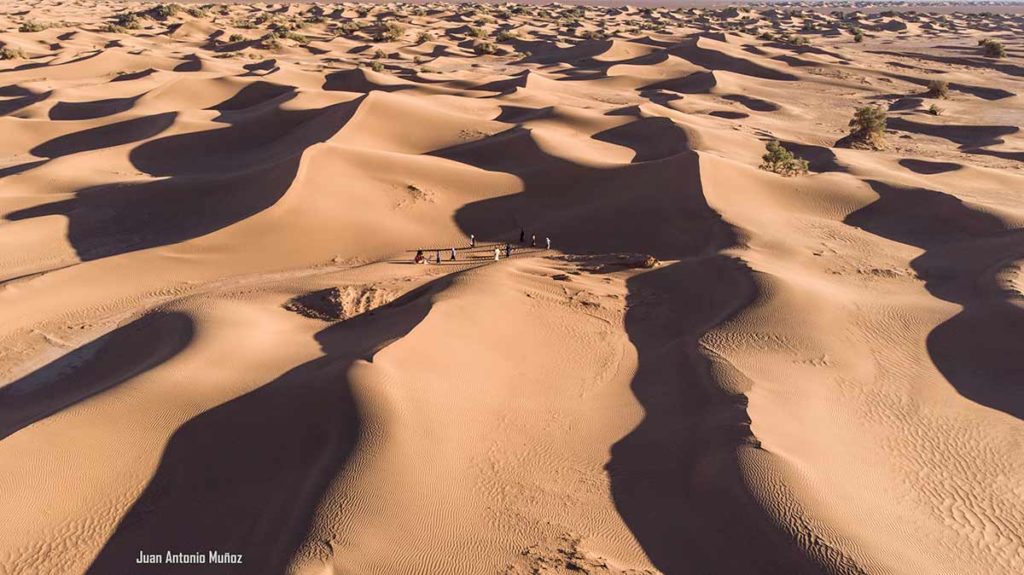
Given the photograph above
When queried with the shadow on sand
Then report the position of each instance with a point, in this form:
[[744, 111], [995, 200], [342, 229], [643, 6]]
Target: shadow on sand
[[209, 179], [980, 350], [675, 479], [246, 476], [93, 368]]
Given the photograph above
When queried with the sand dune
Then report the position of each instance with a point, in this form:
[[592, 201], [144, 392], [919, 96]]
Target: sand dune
[[214, 338]]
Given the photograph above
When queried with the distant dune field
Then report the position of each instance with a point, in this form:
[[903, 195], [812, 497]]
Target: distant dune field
[[217, 354]]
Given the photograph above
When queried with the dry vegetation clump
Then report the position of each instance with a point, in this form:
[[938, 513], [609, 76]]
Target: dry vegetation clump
[[391, 32], [11, 53], [32, 26], [938, 89], [270, 42], [993, 48], [127, 21], [867, 128], [349, 27], [506, 36], [163, 11], [781, 161], [486, 48]]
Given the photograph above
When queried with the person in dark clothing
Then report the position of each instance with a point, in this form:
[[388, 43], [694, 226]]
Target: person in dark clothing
[[419, 257], [437, 256], [508, 250], [453, 254], [522, 236]]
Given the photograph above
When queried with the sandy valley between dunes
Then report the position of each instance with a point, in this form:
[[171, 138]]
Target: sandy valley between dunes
[[213, 337]]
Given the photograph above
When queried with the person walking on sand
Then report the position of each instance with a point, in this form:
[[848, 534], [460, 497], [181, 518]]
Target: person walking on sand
[[548, 241], [497, 253], [419, 257], [522, 236], [472, 241], [508, 250], [453, 254], [437, 256], [533, 241]]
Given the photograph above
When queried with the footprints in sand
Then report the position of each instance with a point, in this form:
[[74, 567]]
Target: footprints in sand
[[340, 303], [566, 555]]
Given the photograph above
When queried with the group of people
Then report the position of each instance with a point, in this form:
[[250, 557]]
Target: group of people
[[422, 259]]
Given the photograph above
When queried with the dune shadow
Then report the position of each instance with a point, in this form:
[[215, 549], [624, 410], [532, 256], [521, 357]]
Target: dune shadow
[[926, 167], [980, 350], [22, 100], [752, 103], [106, 136], [90, 110], [728, 114], [246, 476], [93, 368], [675, 479], [209, 179], [650, 138], [966, 135]]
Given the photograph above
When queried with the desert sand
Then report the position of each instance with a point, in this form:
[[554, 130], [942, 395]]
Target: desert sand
[[213, 336]]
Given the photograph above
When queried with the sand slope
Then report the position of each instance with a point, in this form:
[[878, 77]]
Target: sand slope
[[213, 338]]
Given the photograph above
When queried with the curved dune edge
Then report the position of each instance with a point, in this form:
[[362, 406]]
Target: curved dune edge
[[212, 336]]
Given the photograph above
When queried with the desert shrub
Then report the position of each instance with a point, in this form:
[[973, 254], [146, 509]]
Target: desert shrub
[[270, 42], [934, 110], [377, 66], [128, 21], [32, 26], [506, 36], [11, 53], [236, 38], [781, 161], [767, 36], [591, 34], [391, 32], [993, 48], [195, 12], [477, 32], [164, 11], [287, 32], [485, 48], [349, 27], [858, 36], [379, 54], [114, 28], [938, 88], [793, 39], [868, 125], [424, 37]]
